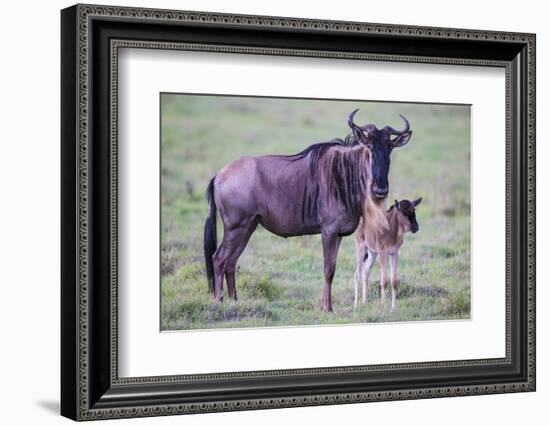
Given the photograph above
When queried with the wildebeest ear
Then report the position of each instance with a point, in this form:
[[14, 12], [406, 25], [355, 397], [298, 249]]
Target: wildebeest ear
[[417, 201], [396, 204], [401, 139]]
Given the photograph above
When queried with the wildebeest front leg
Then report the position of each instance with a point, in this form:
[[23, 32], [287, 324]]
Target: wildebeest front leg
[[331, 243]]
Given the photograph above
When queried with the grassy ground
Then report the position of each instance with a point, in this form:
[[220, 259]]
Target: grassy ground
[[279, 281]]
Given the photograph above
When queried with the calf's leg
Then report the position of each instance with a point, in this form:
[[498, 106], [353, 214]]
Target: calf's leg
[[369, 263], [393, 279], [383, 283], [360, 251]]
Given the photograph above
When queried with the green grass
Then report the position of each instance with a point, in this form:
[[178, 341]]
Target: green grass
[[280, 281]]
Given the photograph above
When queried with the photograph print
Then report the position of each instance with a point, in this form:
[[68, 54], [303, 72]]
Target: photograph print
[[283, 212]]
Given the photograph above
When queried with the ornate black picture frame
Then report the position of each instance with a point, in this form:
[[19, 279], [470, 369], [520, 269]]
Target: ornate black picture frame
[[90, 38]]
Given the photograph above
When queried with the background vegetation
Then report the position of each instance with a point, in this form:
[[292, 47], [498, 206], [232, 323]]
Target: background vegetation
[[279, 281]]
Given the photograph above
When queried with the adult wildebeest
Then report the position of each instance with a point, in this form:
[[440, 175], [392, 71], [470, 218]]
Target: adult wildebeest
[[324, 189], [371, 242]]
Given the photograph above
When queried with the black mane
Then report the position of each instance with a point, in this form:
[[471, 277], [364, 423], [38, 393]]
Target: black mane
[[346, 177], [317, 150]]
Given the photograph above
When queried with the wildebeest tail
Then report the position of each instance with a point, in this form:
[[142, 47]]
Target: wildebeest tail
[[210, 237]]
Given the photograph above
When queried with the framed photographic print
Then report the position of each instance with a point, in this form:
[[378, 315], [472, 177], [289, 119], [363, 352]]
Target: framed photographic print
[[263, 212]]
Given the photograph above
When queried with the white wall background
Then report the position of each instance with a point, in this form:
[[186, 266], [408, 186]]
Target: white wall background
[[29, 225]]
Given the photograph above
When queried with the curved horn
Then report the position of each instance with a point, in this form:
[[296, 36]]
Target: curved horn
[[350, 119], [402, 132]]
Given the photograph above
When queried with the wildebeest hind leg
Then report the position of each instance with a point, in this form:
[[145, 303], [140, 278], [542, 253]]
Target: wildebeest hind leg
[[239, 239], [219, 268]]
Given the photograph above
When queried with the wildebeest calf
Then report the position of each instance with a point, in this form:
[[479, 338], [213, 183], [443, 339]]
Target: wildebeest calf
[[382, 242]]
